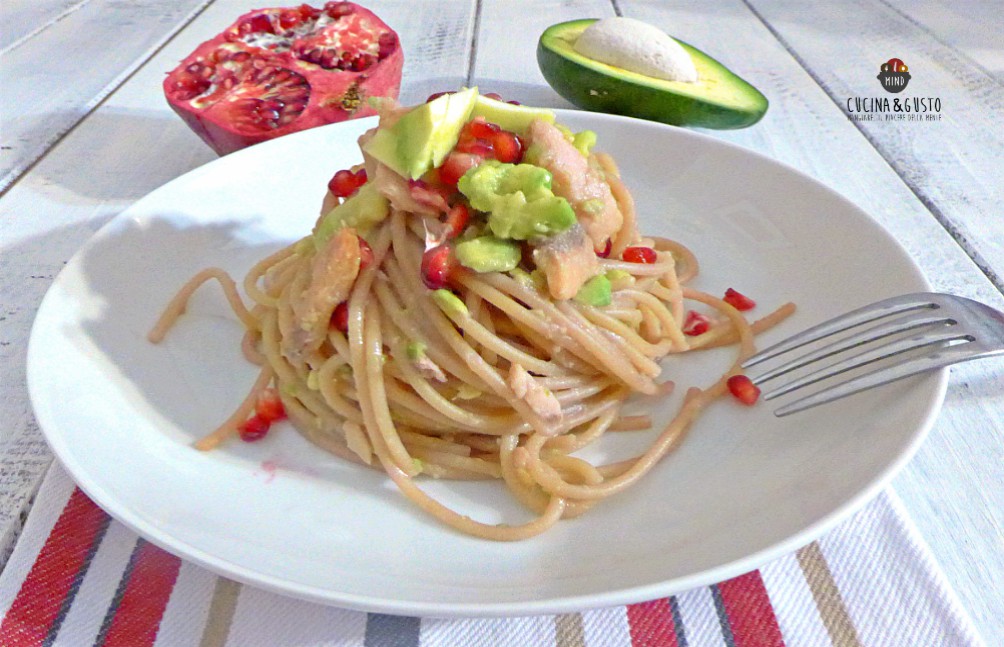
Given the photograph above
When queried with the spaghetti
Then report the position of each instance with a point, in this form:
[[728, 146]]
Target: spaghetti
[[491, 377]]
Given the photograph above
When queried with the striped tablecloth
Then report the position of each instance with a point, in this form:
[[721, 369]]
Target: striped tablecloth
[[78, 578]]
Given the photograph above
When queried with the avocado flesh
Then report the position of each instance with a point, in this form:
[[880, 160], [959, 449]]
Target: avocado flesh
[[596, 292], [422, 137], [488, 254], [507, 116], [719, 99], [362, 211]]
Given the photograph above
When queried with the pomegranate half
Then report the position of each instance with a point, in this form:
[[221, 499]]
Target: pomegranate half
[[282, 70]]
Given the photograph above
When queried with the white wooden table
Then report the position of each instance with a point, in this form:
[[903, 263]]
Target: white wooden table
[[86, 131]]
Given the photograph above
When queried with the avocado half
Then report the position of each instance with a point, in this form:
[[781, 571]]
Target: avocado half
[[719, 99]]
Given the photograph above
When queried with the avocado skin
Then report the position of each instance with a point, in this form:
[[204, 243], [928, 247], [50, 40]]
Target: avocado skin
[[604, 92]]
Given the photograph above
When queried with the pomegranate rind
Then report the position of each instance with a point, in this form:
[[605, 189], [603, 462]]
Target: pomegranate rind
[[335, 95]]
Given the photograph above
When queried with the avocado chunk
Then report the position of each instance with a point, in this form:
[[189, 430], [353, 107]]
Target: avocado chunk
[[509, 116], [450, 304], [423, 136], [518, 200], [584, 141], [595, 292], [488, 254], [362, 210], [718, 99]]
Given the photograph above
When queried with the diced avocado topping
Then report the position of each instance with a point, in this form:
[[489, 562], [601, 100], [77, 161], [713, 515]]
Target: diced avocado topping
[[362, 210], [521, 276], [423, 136], [509, 116], [449, 303], [518, 200], [467, 392], [617, 275], [532, 154], [595, 292], [488, 254], [584, 141], [415, 350], [539, 280], [593, 206]]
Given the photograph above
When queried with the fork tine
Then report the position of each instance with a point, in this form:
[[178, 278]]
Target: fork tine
[[878, 377], [863, 315], [873, 333], [869, 357]]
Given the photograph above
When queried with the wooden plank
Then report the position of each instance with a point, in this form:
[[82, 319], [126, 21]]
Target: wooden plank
[[24, 19], [974, 28], [128, 146], [805, 128], [965, 149], [502, 67], [57, 76]]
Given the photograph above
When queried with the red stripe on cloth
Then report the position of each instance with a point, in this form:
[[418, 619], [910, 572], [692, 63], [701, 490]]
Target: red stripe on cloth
[[750, 613], [651, 624], [39, 605], [141, 608]]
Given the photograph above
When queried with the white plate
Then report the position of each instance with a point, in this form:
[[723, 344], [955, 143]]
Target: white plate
[[745, 487]]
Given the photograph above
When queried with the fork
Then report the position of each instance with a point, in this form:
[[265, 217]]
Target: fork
[[942, 329]]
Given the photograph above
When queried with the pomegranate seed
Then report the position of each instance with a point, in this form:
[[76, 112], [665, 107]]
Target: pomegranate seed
[[387, 42], [743, 389], [605, 253], [696, 324], [259, 23], [514, 103], [340, 317], [269, 407], [436, 95], [481, 129], [327, 60], [361, 177], [456, 220], [338, 9], [438, 266], [254, 428], [738, 300], [507, 146], [455, 165], [365, 254], [474, 147], [289, 18], [645, 255], [361, 62], [190, 87], [494, 95], [343, 183]]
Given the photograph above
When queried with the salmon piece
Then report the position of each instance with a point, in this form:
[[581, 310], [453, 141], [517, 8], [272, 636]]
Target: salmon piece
[[400, 194], [333, 272], [567, 260], [574, 179], [541, 400]]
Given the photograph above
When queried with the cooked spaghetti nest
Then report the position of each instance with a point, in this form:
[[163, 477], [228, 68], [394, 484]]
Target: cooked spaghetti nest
[[508, 384]]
